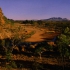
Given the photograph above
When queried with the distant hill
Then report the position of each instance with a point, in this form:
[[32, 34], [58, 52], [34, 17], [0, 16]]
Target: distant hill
[[56, 19]]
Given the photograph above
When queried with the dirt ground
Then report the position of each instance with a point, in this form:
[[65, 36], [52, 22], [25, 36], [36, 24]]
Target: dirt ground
[[40, 34]]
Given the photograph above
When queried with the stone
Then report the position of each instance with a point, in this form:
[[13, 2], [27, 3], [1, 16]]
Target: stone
[[2, 21]]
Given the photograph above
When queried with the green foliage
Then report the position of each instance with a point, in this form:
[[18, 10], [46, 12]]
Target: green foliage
[[60, 25], [63, 43], [3, 42], [7, 43], [13, 64], [26, 22], [29, 35], [11, 21], [8, 55], [39, 50], [8, 21], [37, 66], [8, 67], [39, 22], [42, 47], [15, 40], [19, 28], [66, 30], [33, 32], [32, 22]]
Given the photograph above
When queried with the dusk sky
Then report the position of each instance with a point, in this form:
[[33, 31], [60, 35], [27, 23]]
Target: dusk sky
[[35, 9]]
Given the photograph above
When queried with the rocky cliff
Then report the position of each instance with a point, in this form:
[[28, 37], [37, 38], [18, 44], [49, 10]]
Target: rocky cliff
[[2, 21]]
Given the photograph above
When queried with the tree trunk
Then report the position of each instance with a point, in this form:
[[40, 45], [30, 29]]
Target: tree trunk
[[40, 56], [63, 62]]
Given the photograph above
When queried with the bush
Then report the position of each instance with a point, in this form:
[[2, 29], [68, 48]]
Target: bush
[[8, 67], [13, 64], [37, 66]]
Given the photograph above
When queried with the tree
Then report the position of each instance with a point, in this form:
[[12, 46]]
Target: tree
[[66, 31], [39, 51], [63, 45], [32, 22], [8, 53], [39, 22], [41, 47]]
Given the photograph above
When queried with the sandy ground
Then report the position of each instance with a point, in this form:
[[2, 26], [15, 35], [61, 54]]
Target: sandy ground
[[40, 34], [36, 37]]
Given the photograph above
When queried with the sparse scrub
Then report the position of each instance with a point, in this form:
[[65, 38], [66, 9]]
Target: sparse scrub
[[30, 34]]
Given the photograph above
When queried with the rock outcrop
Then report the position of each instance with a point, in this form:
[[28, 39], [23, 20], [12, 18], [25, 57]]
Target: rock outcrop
[[4, 28], [2, 21]]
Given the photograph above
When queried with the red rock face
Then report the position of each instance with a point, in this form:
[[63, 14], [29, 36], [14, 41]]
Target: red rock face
[[2, 21]]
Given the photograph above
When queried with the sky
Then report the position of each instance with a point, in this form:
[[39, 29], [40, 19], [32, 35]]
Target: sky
[[35, 9]]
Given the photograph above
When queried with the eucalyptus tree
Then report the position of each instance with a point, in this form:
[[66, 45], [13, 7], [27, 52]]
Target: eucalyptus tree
[[63, 43], [42, 47]]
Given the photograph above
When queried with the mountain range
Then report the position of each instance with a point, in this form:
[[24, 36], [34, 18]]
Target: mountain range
[[56, 19]]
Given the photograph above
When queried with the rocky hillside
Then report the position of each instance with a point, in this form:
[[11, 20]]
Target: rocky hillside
[[56, 19], [4, 28], [2, 21]]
